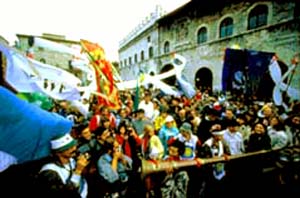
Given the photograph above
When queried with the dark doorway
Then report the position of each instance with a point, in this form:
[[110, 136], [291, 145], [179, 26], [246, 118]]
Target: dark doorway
[[170, 80], [203, 79]]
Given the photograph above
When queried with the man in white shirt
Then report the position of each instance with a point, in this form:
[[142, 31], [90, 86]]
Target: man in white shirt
[[147, 105]]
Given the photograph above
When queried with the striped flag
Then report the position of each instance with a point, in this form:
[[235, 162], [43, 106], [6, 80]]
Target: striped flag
[[106, 89]]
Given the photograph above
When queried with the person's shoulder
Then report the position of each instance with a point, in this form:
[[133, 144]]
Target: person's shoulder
[[104, 158], [154, 138], [148, 121]]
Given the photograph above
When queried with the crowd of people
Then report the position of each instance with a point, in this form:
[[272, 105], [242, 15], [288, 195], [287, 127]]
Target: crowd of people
[[103, 154]]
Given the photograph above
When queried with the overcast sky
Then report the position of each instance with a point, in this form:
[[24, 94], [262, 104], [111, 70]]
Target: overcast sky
[[104, 22]]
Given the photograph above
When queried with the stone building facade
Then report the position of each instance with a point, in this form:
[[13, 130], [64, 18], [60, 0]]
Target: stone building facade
[[202, 31], [50, 57], [139, 50]]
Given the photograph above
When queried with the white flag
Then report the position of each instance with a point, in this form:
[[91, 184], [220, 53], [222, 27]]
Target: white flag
[[28, 75]]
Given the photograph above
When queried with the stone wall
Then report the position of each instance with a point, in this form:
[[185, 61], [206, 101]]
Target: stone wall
[[50, 57]]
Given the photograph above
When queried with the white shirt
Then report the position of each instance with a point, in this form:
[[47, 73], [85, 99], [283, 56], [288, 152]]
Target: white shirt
[[149, 109], [234, 141], [64, 173]]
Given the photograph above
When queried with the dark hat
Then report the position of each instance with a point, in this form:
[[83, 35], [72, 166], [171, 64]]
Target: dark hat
[[232, 122], [211, 111]]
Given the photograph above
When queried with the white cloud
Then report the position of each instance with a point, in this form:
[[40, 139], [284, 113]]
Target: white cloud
[[105, 22]]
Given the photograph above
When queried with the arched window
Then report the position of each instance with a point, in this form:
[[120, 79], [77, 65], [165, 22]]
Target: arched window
[[202, 35], [142, 56], [150, 51], [130, 61], [166, 47], [135, 58], [226, 27], [258, 17]]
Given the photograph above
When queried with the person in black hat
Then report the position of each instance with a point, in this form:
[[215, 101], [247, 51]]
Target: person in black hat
[[211, 117]]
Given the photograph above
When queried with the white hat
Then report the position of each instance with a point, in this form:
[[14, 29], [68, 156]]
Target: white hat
[[169, 118], [218, 132], [63, 142]]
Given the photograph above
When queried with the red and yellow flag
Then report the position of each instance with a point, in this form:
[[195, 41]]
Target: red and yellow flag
[[106, 89]]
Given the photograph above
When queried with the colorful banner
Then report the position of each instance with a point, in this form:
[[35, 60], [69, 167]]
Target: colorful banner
[[246, 72], [106, 89]]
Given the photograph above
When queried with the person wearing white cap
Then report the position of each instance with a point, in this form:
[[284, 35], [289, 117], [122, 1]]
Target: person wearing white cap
[[167, 131], [62, 177]]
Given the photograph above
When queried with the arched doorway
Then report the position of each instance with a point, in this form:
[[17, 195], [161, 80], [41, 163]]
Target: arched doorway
[[170, 80], [203, 79]]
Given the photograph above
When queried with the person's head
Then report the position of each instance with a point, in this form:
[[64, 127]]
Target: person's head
[[121, 129], [232, 125], [293, 121], [259, 128], [102, 134], [64, 104], [84, 132], [211, 113], [64, 146], [111, 145], [164, 112], [104, 111], [105, 122], [268, 111], [229, 113], [156, 104], [182, 113], [296, 120], [149, 130], [123, 113], [140, 114], [175, 102], [176, 148], [241, 119], [265, 112], [277, 123], [147, 97], [218, 134], [169, 121], [186, 130]]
